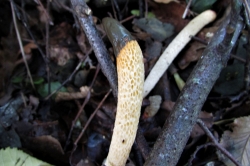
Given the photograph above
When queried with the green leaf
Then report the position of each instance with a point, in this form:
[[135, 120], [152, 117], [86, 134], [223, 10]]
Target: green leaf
[[17, 79], [17, 157], [43, 90], [137, 13], [201, 5], [150, 15], [38, 80]]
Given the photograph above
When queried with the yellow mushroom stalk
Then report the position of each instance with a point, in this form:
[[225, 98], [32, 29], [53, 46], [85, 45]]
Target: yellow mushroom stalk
[[130, 69]]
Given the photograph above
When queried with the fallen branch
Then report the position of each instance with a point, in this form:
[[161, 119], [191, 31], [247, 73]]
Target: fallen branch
[[84, 16], [177, 128]]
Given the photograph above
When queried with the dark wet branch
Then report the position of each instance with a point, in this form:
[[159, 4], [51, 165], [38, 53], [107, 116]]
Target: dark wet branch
[[84, 16], [177, 128]]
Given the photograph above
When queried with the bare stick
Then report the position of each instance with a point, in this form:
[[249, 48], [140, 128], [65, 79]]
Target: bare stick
[[83, 13]]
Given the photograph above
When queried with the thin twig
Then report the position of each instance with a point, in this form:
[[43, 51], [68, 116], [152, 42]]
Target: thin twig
[[47, 45], [199, 40], [116, 7], [247, 8], [91, 117], [216, 143], [23, 18], [141, 9], [127, 19], [26, 26], [81, 109], [142, 143], [46, 11], [186, 9], [20, 44], [197, 150]]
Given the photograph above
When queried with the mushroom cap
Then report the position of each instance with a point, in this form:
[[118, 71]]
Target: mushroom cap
[[117, 34]]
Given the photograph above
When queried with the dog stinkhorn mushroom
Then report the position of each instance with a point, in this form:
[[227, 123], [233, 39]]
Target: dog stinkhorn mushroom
[[130, 69]]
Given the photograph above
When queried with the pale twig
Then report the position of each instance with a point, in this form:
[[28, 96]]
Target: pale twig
[[175, 47]]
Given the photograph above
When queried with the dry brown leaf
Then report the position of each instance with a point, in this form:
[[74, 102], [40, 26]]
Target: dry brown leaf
[[237, 142], [28, 47], [164, 12]]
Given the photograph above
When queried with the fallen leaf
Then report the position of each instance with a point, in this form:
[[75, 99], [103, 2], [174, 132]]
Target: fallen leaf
[[152, 109], [237, 142]]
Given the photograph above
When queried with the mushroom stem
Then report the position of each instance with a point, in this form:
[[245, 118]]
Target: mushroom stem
[[130, 70], [175, 47]]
